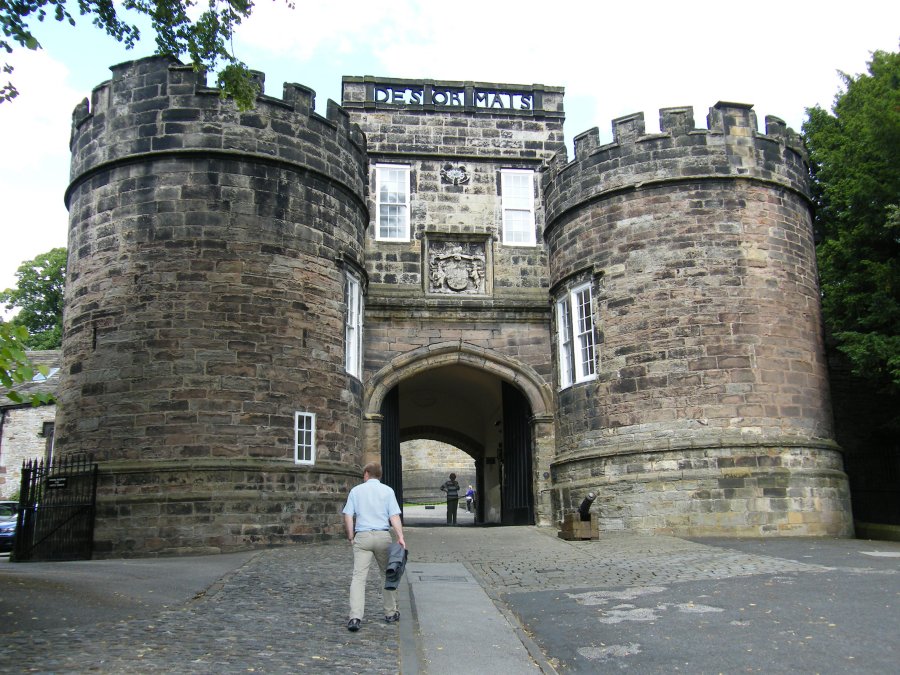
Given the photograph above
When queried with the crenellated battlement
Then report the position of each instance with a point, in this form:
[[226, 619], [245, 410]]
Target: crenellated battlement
[[731, 146], [237, 306], [157, 105]]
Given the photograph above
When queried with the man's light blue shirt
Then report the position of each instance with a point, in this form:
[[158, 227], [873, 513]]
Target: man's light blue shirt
[[373, 504]]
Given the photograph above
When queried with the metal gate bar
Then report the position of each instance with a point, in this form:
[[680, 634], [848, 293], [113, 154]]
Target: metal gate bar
[[56, 510]]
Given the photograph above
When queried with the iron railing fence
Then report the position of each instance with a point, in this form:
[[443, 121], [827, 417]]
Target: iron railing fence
[[57, 503]]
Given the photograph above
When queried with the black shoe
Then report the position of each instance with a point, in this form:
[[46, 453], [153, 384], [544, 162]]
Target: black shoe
[[353, 625], [393, 618]]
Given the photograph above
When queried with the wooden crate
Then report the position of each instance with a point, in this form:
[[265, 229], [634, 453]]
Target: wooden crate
[[573, 527]]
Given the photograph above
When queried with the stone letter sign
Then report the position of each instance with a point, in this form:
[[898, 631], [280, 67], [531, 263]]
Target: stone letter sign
[[448, 95]]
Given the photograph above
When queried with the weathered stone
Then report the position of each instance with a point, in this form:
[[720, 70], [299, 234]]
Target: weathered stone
[[205, 305]]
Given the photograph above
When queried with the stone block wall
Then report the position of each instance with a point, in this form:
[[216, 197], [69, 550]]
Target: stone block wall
[[699, 244], [478, 139], [728, 491], [391, 334], [204, 306], [473, 141], [427, 464], [21, 438], [510, 316]]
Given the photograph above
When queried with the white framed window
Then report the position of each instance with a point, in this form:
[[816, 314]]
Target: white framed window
[[392, 202], [566, 355], [353, 327], [304, 438], [575, 326], [517, 189]]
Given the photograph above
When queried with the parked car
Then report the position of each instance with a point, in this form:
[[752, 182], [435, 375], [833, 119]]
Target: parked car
[[8, 511]]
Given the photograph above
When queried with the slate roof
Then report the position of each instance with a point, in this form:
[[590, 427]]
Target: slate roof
[[52, 358]]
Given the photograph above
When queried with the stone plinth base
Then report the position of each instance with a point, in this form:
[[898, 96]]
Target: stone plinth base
[[573, 527], [739, 492], [147, 509]]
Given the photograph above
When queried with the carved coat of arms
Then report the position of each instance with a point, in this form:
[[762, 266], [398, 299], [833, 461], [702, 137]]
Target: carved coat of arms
[[456, 268]]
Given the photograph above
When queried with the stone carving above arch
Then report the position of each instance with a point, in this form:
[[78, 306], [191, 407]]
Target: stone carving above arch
[[457, 264], [406, 365]]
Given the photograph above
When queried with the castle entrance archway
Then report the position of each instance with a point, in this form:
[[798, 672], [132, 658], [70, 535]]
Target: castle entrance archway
[[492, 409]]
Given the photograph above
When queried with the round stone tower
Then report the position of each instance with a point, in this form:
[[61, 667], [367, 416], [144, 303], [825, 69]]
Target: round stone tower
[[209, 258], [709, 413]]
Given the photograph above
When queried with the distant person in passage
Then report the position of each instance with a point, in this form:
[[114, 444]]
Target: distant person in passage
[[470, 500], [451, 487], [369, 514]]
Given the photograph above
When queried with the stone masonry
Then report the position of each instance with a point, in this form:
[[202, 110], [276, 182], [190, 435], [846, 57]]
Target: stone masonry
[[427, 464], [209, 300], [23, 439], [204, 306], [26, 431], [508, 315], [711, 408]]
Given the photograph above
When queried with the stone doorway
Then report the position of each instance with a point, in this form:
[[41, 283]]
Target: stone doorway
[[492, 409], [461, 407], [426, 465]]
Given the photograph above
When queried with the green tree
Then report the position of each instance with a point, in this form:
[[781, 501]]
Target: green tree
[[205, 37], [15, 368], [39, 299], [855, 167]]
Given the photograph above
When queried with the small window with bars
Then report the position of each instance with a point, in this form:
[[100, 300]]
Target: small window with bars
[[304, 438]]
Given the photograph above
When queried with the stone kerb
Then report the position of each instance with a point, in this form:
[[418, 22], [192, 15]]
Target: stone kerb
[[731, 147], [158, 106]]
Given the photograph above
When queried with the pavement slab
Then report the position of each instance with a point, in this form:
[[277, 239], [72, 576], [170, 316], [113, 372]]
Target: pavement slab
[[504, 600], [458, 624]]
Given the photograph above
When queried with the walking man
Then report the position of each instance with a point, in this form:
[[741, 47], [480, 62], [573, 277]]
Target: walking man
[[451, 487], [370, 512]]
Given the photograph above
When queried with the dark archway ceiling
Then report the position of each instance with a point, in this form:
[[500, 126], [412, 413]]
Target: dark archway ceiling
[[456, 398]]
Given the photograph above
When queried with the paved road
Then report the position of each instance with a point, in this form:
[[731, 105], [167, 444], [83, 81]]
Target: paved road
[[521, 600]]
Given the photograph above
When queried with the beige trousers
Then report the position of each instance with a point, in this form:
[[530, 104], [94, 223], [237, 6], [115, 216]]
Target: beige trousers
[[369, 546]]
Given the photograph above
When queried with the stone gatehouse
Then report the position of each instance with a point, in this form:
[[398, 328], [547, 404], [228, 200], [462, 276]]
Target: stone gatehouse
[[259, 302]]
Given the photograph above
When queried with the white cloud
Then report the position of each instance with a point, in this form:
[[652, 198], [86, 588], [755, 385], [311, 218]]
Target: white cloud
[[612, 58], [33, 127], [615, 58], [34, 141], [311, 28]]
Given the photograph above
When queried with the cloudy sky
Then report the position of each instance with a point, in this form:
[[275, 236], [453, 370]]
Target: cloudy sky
[[612, 58]]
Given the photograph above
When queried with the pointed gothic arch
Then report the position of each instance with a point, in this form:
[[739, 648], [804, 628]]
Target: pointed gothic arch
[[381, 415], [520, 375]]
